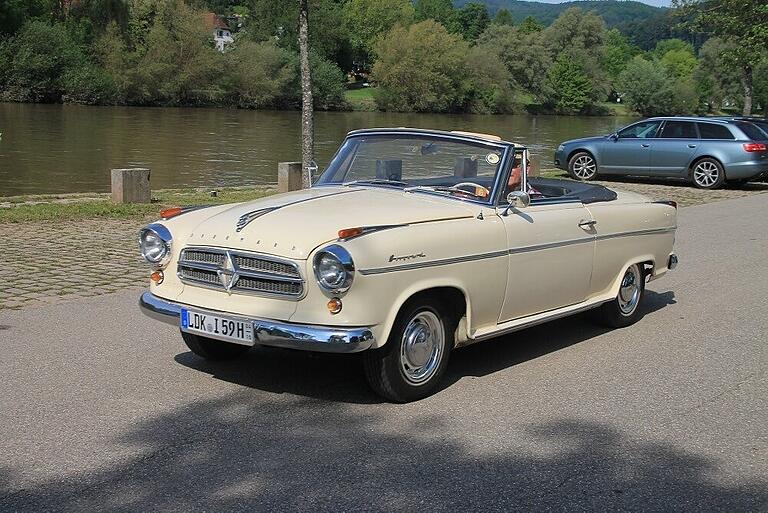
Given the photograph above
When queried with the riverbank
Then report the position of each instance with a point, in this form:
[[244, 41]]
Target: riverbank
[[82, 206]]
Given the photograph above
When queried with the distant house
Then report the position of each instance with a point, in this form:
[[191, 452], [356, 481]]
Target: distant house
[[222, 35]]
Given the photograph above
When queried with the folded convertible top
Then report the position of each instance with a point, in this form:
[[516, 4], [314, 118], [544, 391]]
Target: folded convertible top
[[586, 192]]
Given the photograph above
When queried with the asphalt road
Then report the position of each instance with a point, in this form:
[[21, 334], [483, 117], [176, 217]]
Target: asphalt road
[[103, 409]]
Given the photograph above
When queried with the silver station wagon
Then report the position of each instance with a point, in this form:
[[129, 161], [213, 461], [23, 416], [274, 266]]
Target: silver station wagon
[[706, 151]]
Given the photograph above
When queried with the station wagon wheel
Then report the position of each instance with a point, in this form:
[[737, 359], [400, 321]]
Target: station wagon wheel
[[707, 173], [414, 358], [211, 349], [625, 308], [582, 166]]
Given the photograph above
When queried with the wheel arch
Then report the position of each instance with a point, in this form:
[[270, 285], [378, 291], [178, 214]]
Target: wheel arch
[[452, 294], [646, 262], [592, 154]]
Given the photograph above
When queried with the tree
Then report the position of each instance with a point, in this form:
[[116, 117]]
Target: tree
[[530, 25], [679, 63], [260, 74], [421, 68], [367, 19], [645, 87], [744, 22], [503, 17], [570, 87], [718, 77], [617, 54], [473, 19], [307, 105], [527, 69], [441, 11]]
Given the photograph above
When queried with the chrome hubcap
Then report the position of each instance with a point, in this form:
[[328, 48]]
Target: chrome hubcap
[[422, 347], [706, 174], [629, 293], [584, 167]]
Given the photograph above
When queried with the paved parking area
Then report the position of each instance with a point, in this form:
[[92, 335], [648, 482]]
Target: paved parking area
[[105, 410]]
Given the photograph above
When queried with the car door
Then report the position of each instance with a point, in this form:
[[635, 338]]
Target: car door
[[672, 151], [551, 245], [629, 152]]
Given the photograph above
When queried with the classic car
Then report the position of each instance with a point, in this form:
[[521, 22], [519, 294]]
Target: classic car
[[410, 244]]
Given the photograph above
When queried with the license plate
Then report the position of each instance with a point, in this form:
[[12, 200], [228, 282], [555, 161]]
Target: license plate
[[218, 327]]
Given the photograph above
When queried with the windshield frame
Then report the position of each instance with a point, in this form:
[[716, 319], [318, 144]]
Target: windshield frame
[[505, 147]]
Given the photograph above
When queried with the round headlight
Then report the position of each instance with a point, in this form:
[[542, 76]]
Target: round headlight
[[334, 269], [155, 244]]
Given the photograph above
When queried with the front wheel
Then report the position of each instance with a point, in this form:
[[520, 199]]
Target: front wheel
[[625, 309], [413, 360], [582, 166], [708, 173], [212, 349]]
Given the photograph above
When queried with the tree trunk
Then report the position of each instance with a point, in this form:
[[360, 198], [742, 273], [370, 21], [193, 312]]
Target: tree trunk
[[307, 103], [746, 83]]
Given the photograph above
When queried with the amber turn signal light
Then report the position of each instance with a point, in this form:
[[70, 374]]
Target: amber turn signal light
[[334, 305], [157, 277], [168, 213], [350, 232]]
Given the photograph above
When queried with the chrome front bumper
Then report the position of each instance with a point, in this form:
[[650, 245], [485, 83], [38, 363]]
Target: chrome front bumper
[[325, 339]]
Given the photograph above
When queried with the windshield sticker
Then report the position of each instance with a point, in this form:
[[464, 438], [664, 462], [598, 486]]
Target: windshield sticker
[[492, 159]]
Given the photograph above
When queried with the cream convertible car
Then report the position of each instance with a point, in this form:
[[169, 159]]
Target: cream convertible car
[[411, 243]]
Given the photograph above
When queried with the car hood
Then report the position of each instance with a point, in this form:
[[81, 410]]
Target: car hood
[[292, 225]]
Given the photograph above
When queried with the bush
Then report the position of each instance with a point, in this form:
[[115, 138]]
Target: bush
[[36, 61], [570, 89], [258, 74], [421, 68]]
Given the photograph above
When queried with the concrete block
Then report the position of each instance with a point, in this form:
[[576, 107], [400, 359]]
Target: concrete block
[[131, 186], [288, 176]]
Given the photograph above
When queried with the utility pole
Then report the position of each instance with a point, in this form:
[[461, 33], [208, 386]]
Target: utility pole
[[307, 102]]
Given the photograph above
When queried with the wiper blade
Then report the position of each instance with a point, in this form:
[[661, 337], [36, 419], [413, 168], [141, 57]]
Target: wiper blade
[[376, 181]]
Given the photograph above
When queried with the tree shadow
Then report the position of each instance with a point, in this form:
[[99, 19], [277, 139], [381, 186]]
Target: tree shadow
[[340, 378], [251, 452]]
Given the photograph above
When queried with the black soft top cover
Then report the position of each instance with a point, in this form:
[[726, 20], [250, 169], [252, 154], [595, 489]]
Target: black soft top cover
[[586, 192]]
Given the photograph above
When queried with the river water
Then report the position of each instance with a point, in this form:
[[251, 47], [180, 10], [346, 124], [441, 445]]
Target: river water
[[70, 148]]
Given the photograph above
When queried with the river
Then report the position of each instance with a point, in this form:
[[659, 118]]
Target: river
[[70, 148]]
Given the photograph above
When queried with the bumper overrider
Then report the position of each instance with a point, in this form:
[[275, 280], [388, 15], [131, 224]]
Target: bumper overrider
[[328, 339]]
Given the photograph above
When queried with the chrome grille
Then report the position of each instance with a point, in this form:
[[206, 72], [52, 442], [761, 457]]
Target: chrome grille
[[236, 271]]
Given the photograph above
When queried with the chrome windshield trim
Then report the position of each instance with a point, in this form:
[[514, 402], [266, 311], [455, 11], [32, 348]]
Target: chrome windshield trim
[[268, 332]]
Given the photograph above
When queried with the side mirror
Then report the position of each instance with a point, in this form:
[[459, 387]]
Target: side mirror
[[518, 199], [613, 137]]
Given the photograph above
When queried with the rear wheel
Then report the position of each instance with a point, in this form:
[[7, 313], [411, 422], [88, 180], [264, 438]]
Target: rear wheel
[[625, 309], [409, 366], [212, 349], [582, 166], [707, 173]]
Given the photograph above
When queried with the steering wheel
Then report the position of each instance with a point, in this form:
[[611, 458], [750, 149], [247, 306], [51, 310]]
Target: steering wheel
[[479, 191]]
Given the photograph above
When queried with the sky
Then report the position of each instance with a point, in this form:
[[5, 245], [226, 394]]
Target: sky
[[657, 3]]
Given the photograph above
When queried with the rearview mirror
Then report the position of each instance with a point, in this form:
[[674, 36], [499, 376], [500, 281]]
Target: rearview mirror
[[518, 199]]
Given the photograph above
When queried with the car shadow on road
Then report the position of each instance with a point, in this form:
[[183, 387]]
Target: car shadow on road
[[679, 182], [340, 378], [247, 452]]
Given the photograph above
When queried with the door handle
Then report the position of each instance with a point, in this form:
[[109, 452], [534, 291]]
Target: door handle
[[691, 145], [587, 224], [645, 145]]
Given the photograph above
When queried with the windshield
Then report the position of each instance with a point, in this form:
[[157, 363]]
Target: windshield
[[417, 164]]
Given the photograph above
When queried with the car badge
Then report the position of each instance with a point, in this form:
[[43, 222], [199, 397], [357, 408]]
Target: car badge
[[228, 274], [245, 219]]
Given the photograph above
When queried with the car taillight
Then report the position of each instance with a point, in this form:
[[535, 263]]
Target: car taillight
[[752, 147]]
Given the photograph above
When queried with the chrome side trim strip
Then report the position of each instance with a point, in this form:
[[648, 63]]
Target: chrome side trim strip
[[512, 251], [651, 231], [550, 245], [328, 339], [433, 263]]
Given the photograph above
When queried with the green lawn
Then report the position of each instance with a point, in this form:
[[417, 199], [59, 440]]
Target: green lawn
[[361, 99], [66, 207]]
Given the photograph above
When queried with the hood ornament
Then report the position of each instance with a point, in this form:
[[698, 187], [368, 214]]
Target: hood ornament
[[245, 219]]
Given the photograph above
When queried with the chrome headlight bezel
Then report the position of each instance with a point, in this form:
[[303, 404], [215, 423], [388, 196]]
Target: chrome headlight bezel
[[344, 260], [159, 261]]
